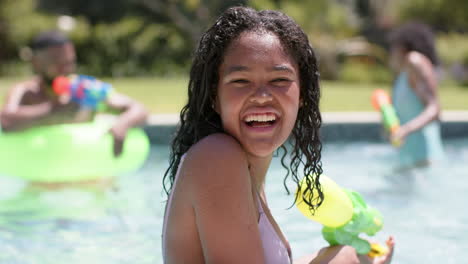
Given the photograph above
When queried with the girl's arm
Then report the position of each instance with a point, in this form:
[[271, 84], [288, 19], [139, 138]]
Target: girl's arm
[[216, 170], [422, 79]]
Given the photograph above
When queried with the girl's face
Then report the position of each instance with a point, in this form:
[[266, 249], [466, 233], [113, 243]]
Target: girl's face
[[258, 93]]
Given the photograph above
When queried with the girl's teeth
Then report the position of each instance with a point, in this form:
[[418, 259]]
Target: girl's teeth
[[260, 118]]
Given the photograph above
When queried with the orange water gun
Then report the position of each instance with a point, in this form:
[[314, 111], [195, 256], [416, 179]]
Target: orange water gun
[[382, 102]]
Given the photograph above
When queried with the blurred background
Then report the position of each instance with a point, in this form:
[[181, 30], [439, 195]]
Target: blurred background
[[144, 47]]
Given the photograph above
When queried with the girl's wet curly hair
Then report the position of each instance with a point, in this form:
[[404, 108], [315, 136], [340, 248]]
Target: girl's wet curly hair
[[198, 119], [415, 36]]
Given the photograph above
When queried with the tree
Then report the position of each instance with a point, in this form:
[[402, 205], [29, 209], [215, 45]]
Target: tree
[[189, 17], [138, 36], [442, 15], [94, 11], [375, 19]]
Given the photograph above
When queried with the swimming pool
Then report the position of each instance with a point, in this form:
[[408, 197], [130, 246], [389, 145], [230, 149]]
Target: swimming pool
[[424, 210]]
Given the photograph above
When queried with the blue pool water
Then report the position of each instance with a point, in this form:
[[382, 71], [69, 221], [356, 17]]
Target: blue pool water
[[424, 210]]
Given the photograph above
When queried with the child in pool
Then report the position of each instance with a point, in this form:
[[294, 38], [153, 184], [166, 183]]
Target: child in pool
[[253, 85], [413, 57], [33, 103]]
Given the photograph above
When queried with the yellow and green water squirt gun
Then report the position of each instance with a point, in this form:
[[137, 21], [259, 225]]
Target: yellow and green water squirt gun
[[344, 216]]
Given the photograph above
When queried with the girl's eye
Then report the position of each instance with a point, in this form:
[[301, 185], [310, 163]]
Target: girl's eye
[[240, 81], [281, 81]]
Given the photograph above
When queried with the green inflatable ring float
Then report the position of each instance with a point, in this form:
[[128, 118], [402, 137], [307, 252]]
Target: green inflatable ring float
[[70, 152]]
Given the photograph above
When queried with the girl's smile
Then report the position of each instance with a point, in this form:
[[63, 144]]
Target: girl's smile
[[261, 120]]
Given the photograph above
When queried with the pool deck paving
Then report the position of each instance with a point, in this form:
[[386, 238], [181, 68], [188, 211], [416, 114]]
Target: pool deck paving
[[337, 126]]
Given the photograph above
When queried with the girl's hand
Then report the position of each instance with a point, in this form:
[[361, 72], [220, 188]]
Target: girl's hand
[[385, 259], [340, 254], [343, 254], [398, 137]]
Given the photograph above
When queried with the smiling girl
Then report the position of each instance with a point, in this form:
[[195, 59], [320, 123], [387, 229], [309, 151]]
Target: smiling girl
[[253, 87]]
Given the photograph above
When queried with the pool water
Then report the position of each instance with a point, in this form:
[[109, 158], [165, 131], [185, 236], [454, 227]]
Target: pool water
[[423, 209]]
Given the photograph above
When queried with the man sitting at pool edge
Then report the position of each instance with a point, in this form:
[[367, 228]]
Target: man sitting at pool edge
[[33, 102]]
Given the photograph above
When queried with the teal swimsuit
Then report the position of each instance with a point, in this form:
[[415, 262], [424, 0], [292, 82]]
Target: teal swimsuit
[[422, 145]]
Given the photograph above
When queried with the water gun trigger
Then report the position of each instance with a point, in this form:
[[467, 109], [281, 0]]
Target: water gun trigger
[[377, 250]]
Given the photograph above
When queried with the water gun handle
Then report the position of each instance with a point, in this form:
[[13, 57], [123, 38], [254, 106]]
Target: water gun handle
[[382, 102], [362, 246]]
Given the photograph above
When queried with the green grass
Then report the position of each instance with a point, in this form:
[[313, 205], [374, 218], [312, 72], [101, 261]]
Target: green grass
[[163, 95], [340, 96]]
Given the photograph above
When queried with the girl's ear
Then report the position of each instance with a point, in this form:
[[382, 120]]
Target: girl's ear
[[301, 102]]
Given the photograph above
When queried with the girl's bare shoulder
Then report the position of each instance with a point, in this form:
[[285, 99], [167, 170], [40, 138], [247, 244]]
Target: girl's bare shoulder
[[420, 68], [417, 61], [216, 147], [216, 160]]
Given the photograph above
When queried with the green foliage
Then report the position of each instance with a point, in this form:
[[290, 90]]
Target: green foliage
[[15, 68], [23, 21], [325, 22], [441, 14], [315, 16], [94, 11], [19, 22], [453, 52], [144, 37], [452, 47], [130, 46], [264, 4], [355, 71], [148, 37], [325, 49]]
